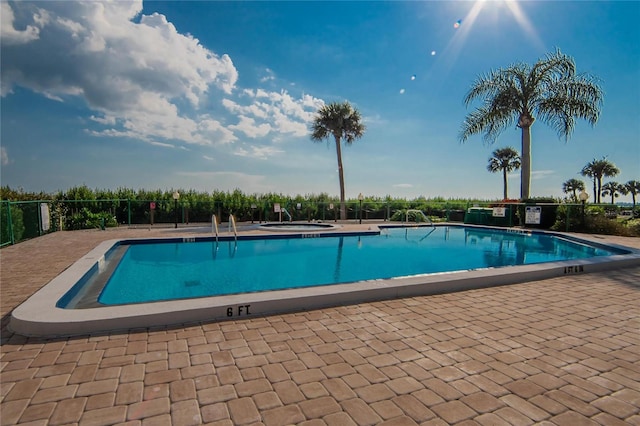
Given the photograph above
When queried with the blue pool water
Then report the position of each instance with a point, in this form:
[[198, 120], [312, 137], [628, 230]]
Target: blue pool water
[[167, 271]]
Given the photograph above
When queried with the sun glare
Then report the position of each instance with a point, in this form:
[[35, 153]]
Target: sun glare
[[464, 26]]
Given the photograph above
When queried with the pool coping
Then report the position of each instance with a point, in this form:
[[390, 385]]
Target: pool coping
[[39, 316]]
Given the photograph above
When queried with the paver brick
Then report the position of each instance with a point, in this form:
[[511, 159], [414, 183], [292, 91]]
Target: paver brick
[[413, 408], [616, 407], [149, 408], [319, 407], [375, 392], [102, 400], [216, 394], [182, 390], [361, 412], [243, 411], [288, 392], [68, 411], [267, 400], [275, 372], [54, 394], [129, 393], [104, 416], [24, 389], [214, 412], [525, 407], [253, 387], [97, 387], [37, 412], [186, 413], [290, 414]]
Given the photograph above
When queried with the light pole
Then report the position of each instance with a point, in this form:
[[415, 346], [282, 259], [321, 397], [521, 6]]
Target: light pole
[[360, 198], [176, 197], [583, 199]]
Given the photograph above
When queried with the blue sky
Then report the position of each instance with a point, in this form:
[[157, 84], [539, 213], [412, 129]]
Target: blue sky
[[219, 95]]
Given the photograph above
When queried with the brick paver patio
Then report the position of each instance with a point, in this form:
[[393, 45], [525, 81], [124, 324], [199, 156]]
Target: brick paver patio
[[562, 351]]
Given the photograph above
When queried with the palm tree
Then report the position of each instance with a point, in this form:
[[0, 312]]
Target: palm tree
[[613, 189], [341, 121], [597, 169], [573, 186], [550, 89], [505, 160], [632, 187]]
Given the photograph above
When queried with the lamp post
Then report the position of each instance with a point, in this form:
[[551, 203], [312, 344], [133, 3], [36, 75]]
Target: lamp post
[[583, 199], [360, 198], [176, 197]]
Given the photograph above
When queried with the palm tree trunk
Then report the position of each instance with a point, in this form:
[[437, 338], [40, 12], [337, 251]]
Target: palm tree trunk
[[525, 171], [595, 191], [343, 205], [504, 179], [599, 188]]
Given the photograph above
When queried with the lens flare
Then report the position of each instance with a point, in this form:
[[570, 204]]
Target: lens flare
[[457, 23]]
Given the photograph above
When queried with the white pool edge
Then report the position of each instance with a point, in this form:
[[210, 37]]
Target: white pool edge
[[39, 316]]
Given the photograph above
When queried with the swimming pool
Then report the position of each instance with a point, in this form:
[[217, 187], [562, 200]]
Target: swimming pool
[[202, 279], [152, 272]]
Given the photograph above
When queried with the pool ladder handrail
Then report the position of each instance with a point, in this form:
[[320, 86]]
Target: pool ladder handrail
[[214, 226], [232, 224], [287, 213], [423, 215]]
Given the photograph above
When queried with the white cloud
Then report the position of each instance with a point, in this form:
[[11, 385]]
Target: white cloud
[[541, 174], [276, 112], [259, 152], [140, 77], [402, 185], [4, 156], [249, 127], [9, 34], [133, 74], [206, 157], [269, 76]]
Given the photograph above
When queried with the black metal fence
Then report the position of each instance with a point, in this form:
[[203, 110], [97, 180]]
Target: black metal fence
[[23, 220]]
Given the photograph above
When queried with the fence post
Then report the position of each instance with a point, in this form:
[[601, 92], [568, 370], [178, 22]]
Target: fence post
[[129, 211], [10, 223]]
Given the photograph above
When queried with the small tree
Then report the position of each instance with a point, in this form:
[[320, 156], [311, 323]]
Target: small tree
[[343, 122], [632, 187], [612, 189], [572, 186], [597, 169], [505, 160]]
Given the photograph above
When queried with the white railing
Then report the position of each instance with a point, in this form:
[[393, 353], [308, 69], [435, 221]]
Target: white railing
[[282, 209], [214, 226], [232, 225]]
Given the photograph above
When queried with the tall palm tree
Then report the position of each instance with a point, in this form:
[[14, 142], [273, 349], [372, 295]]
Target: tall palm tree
[[550, 89], [613, 189], [343, 122], [505, 160], [573, 186], [632, 187], [597, 169]]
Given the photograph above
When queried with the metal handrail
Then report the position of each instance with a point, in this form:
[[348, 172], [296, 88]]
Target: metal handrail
[[232, 223], [214, 226], [423, 215]]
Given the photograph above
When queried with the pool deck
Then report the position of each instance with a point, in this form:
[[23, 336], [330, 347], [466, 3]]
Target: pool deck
[[563, 351]]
